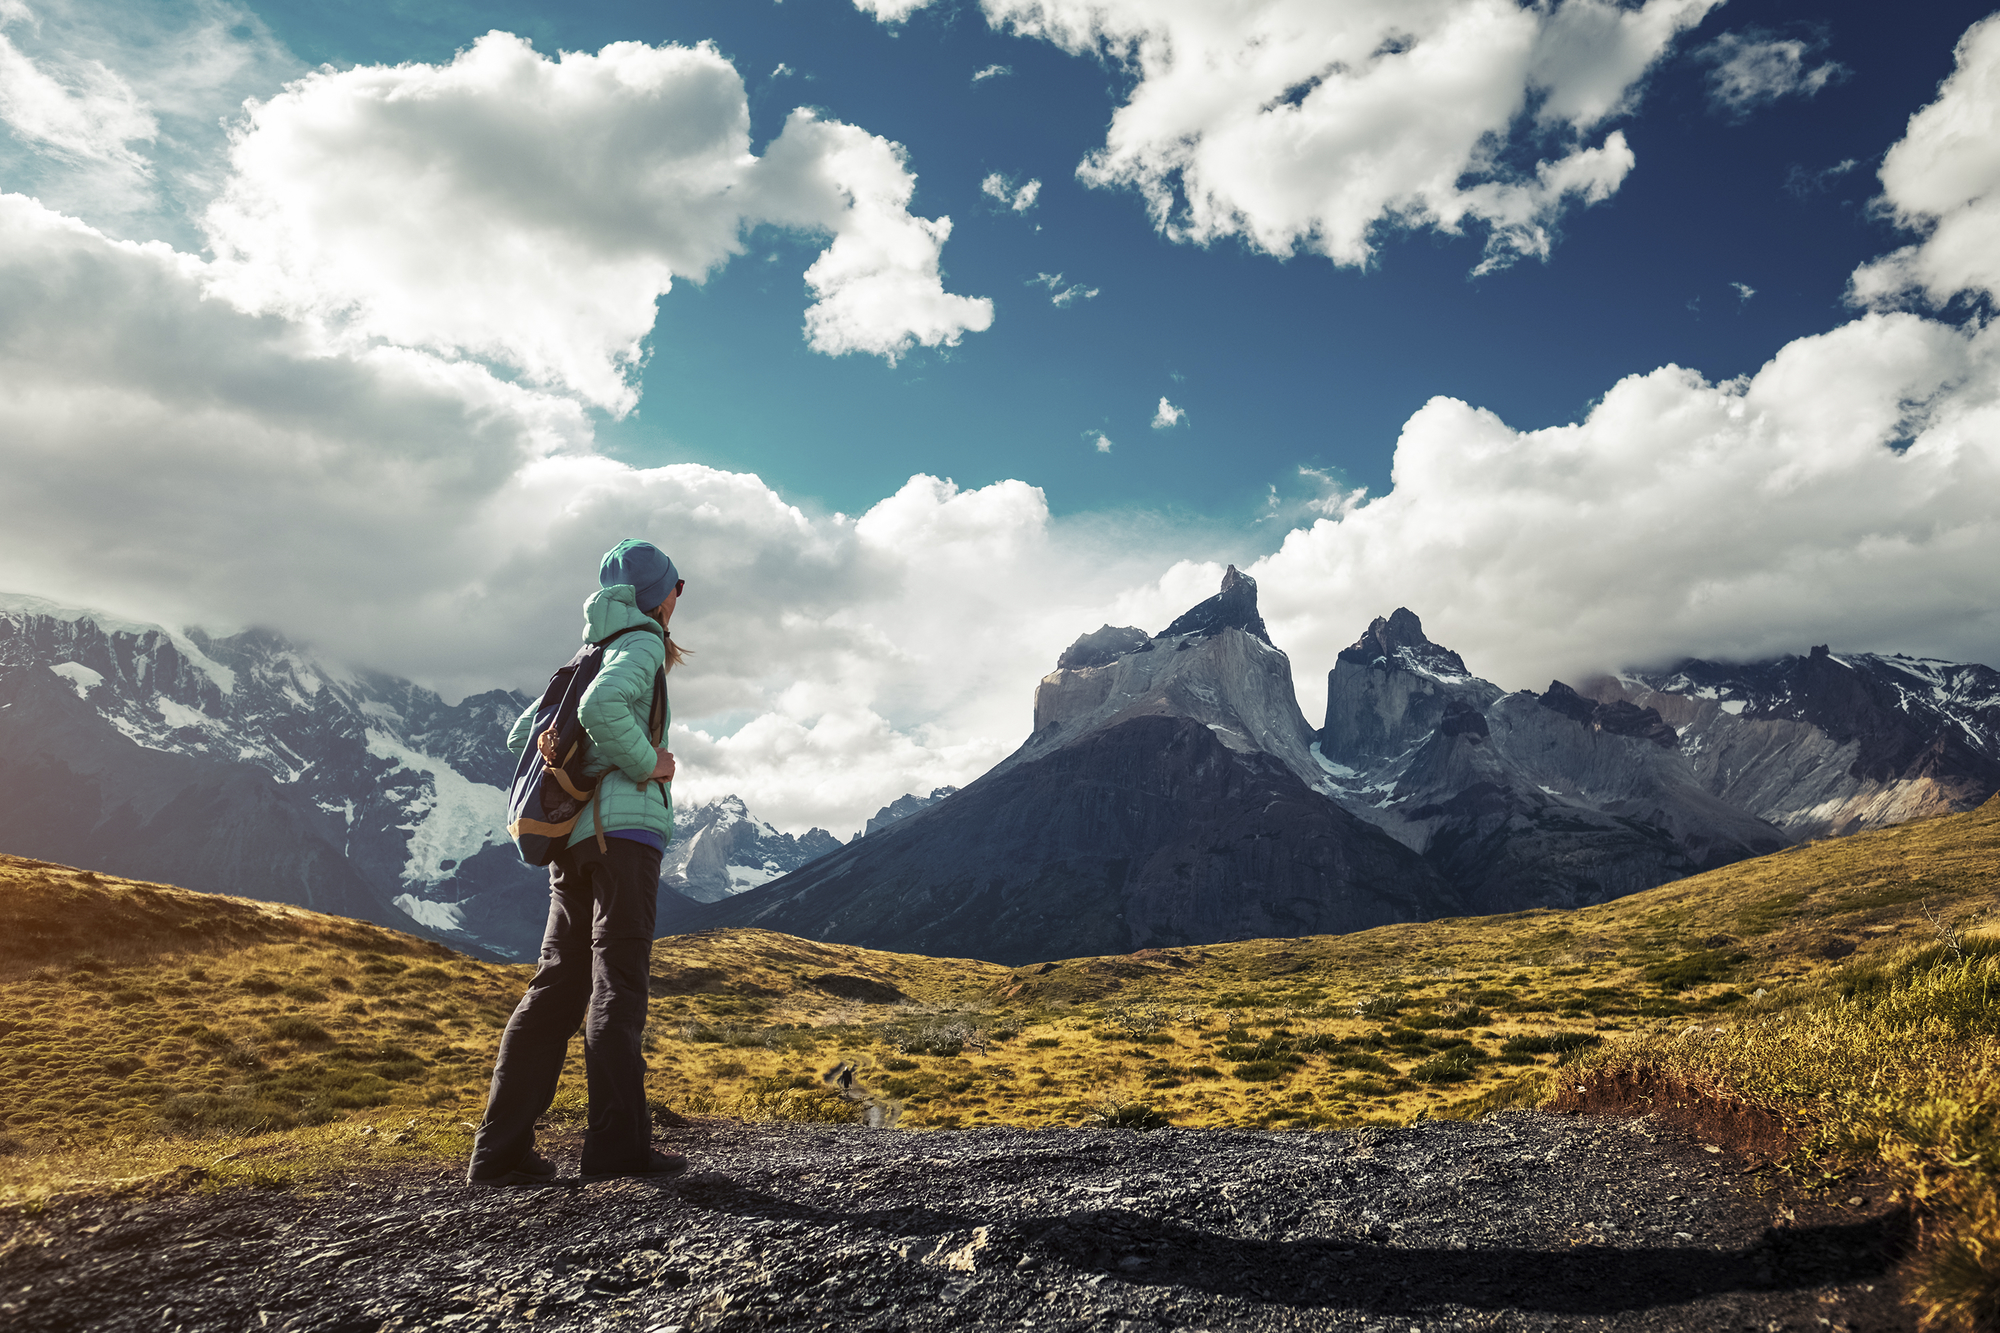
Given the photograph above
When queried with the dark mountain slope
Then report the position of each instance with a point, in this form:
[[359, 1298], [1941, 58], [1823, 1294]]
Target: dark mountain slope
[[75, 790], [1149, 833]]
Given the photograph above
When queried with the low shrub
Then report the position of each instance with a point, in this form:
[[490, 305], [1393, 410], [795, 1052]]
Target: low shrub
[[1133, 1115], [1693, 969], [1453, 1067], [1261, 1071], [1550, 1043], [291, 1027]]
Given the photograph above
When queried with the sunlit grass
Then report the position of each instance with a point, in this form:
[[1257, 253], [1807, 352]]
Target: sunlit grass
[[151, 1032], [1890, 1067]]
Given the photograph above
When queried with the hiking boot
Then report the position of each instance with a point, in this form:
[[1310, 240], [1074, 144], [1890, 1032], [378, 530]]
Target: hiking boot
[[657, 1163], [534, 1169]]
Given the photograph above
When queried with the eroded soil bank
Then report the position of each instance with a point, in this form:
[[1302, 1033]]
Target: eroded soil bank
[[1520, 1221]]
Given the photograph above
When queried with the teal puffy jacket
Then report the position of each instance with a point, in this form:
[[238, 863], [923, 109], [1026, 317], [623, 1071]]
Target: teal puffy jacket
[[614, 713]]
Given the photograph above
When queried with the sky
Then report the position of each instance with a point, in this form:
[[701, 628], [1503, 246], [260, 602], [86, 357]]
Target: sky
[[929, 336]]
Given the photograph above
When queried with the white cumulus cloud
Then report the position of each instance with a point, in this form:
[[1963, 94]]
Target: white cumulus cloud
[[1750, 69], [176, 460], [1943, 179], [1845, 491], [1019, 198], [1060, 295], [890, 11], [114, 112], [532, 211], [1166, 415], [1312, 124], [991, 72]]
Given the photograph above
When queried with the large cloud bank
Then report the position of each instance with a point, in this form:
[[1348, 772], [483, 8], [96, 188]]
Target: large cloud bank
[[1311, 124], [532, 211], [1849, 490], [176, 459], [289, 436]]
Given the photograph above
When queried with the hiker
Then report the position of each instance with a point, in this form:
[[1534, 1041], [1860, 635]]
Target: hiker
[[603, 892]]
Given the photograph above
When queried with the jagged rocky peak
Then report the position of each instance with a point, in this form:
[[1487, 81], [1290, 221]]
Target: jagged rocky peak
[[909, 803], [1235, 607], [1618, 718], [1102, 647], [1399, 640], [1392, 688]]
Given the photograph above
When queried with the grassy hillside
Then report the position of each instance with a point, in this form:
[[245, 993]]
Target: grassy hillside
[[149, 1028]]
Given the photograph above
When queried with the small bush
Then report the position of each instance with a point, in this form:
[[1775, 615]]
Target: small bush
[[1692, 969], [1134, 1115], [1379, 1007], [1455, 1067], [259, 985], [291, 1027], [895, 1065], [1261, 1071], [1550, 1043], [305, 994], [1203, 1071], [1043, 1043]]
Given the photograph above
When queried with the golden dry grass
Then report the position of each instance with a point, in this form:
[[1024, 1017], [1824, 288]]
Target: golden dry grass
[[163, 1029]]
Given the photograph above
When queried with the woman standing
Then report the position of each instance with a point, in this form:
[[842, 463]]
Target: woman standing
[[603, 892]]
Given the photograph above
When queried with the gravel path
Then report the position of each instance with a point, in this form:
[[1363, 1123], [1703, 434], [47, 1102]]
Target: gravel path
[[1521, 1221]]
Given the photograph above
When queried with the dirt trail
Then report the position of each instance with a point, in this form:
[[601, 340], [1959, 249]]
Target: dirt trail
[[1521, 1221]]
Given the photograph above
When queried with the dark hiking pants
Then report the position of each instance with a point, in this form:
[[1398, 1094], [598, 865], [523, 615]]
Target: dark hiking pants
[[595, 957]]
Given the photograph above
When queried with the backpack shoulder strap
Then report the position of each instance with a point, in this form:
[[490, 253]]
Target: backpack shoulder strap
[[609, 639]]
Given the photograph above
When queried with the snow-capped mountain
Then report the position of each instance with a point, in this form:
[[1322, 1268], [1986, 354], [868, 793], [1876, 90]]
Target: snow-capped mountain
[[1574, 796], [1830, 744], [720, 849], [245, 765]]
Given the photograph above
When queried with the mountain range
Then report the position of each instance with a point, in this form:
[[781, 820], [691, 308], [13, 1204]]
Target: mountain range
[[249, 765], [1173, 793], [1170, 792]]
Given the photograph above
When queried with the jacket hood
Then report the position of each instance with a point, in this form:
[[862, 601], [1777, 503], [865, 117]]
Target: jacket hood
[[611, 609]]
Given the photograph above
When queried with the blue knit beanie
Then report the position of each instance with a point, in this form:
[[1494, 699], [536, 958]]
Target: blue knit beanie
[[643, 565]]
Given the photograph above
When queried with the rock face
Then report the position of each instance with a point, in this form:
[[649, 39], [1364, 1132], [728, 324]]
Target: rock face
[[1577, 796], [244, 766], [903, 807], [720, 849], [1167, 796], [1829, 744]]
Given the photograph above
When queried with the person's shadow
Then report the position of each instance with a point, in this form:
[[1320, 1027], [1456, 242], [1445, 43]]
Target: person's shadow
[[1356, 1274]]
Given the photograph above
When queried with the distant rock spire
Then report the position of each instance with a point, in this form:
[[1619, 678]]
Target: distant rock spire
[[1400, 639], [1235, 607]]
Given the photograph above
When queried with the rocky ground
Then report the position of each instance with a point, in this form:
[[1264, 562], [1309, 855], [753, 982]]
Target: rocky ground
[[1520, 1221]]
